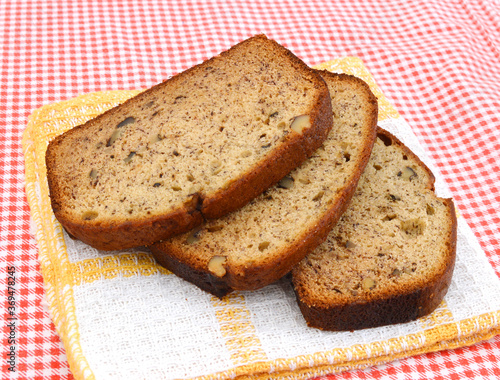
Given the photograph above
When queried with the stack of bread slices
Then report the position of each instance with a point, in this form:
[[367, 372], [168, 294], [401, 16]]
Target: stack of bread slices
[[251, 166]]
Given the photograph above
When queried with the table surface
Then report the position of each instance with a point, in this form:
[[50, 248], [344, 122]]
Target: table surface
[[437, 62]]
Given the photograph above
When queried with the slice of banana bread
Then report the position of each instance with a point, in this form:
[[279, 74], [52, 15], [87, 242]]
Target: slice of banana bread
[[198, 145], [261, 242], [390, 258]]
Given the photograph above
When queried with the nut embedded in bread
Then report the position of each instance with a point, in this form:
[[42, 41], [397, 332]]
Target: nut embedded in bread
[[261, 242], [390, 258], [198, 145]]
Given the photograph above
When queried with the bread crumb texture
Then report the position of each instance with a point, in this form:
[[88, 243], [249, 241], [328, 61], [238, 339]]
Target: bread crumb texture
[[196, 135], [259, 239], [394, 238]]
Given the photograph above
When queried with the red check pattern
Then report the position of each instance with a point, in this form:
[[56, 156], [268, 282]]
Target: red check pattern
[[438, 62]]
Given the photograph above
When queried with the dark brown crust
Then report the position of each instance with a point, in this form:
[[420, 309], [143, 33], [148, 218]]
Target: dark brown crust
[[201, 278], [259, 275], [120, 235], [108, 237], [393, 307]]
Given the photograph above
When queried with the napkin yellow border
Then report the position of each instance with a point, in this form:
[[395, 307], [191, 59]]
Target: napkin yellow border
[[60, 275]]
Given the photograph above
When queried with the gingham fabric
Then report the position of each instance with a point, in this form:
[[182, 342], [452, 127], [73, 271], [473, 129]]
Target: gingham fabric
[[437, 62]]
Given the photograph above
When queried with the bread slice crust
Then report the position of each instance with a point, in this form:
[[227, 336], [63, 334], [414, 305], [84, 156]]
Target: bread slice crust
[[357, 280], [258, 244], [159, 199]]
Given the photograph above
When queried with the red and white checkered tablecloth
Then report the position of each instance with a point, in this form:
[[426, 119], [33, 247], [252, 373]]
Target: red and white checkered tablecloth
[[437, 62]]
